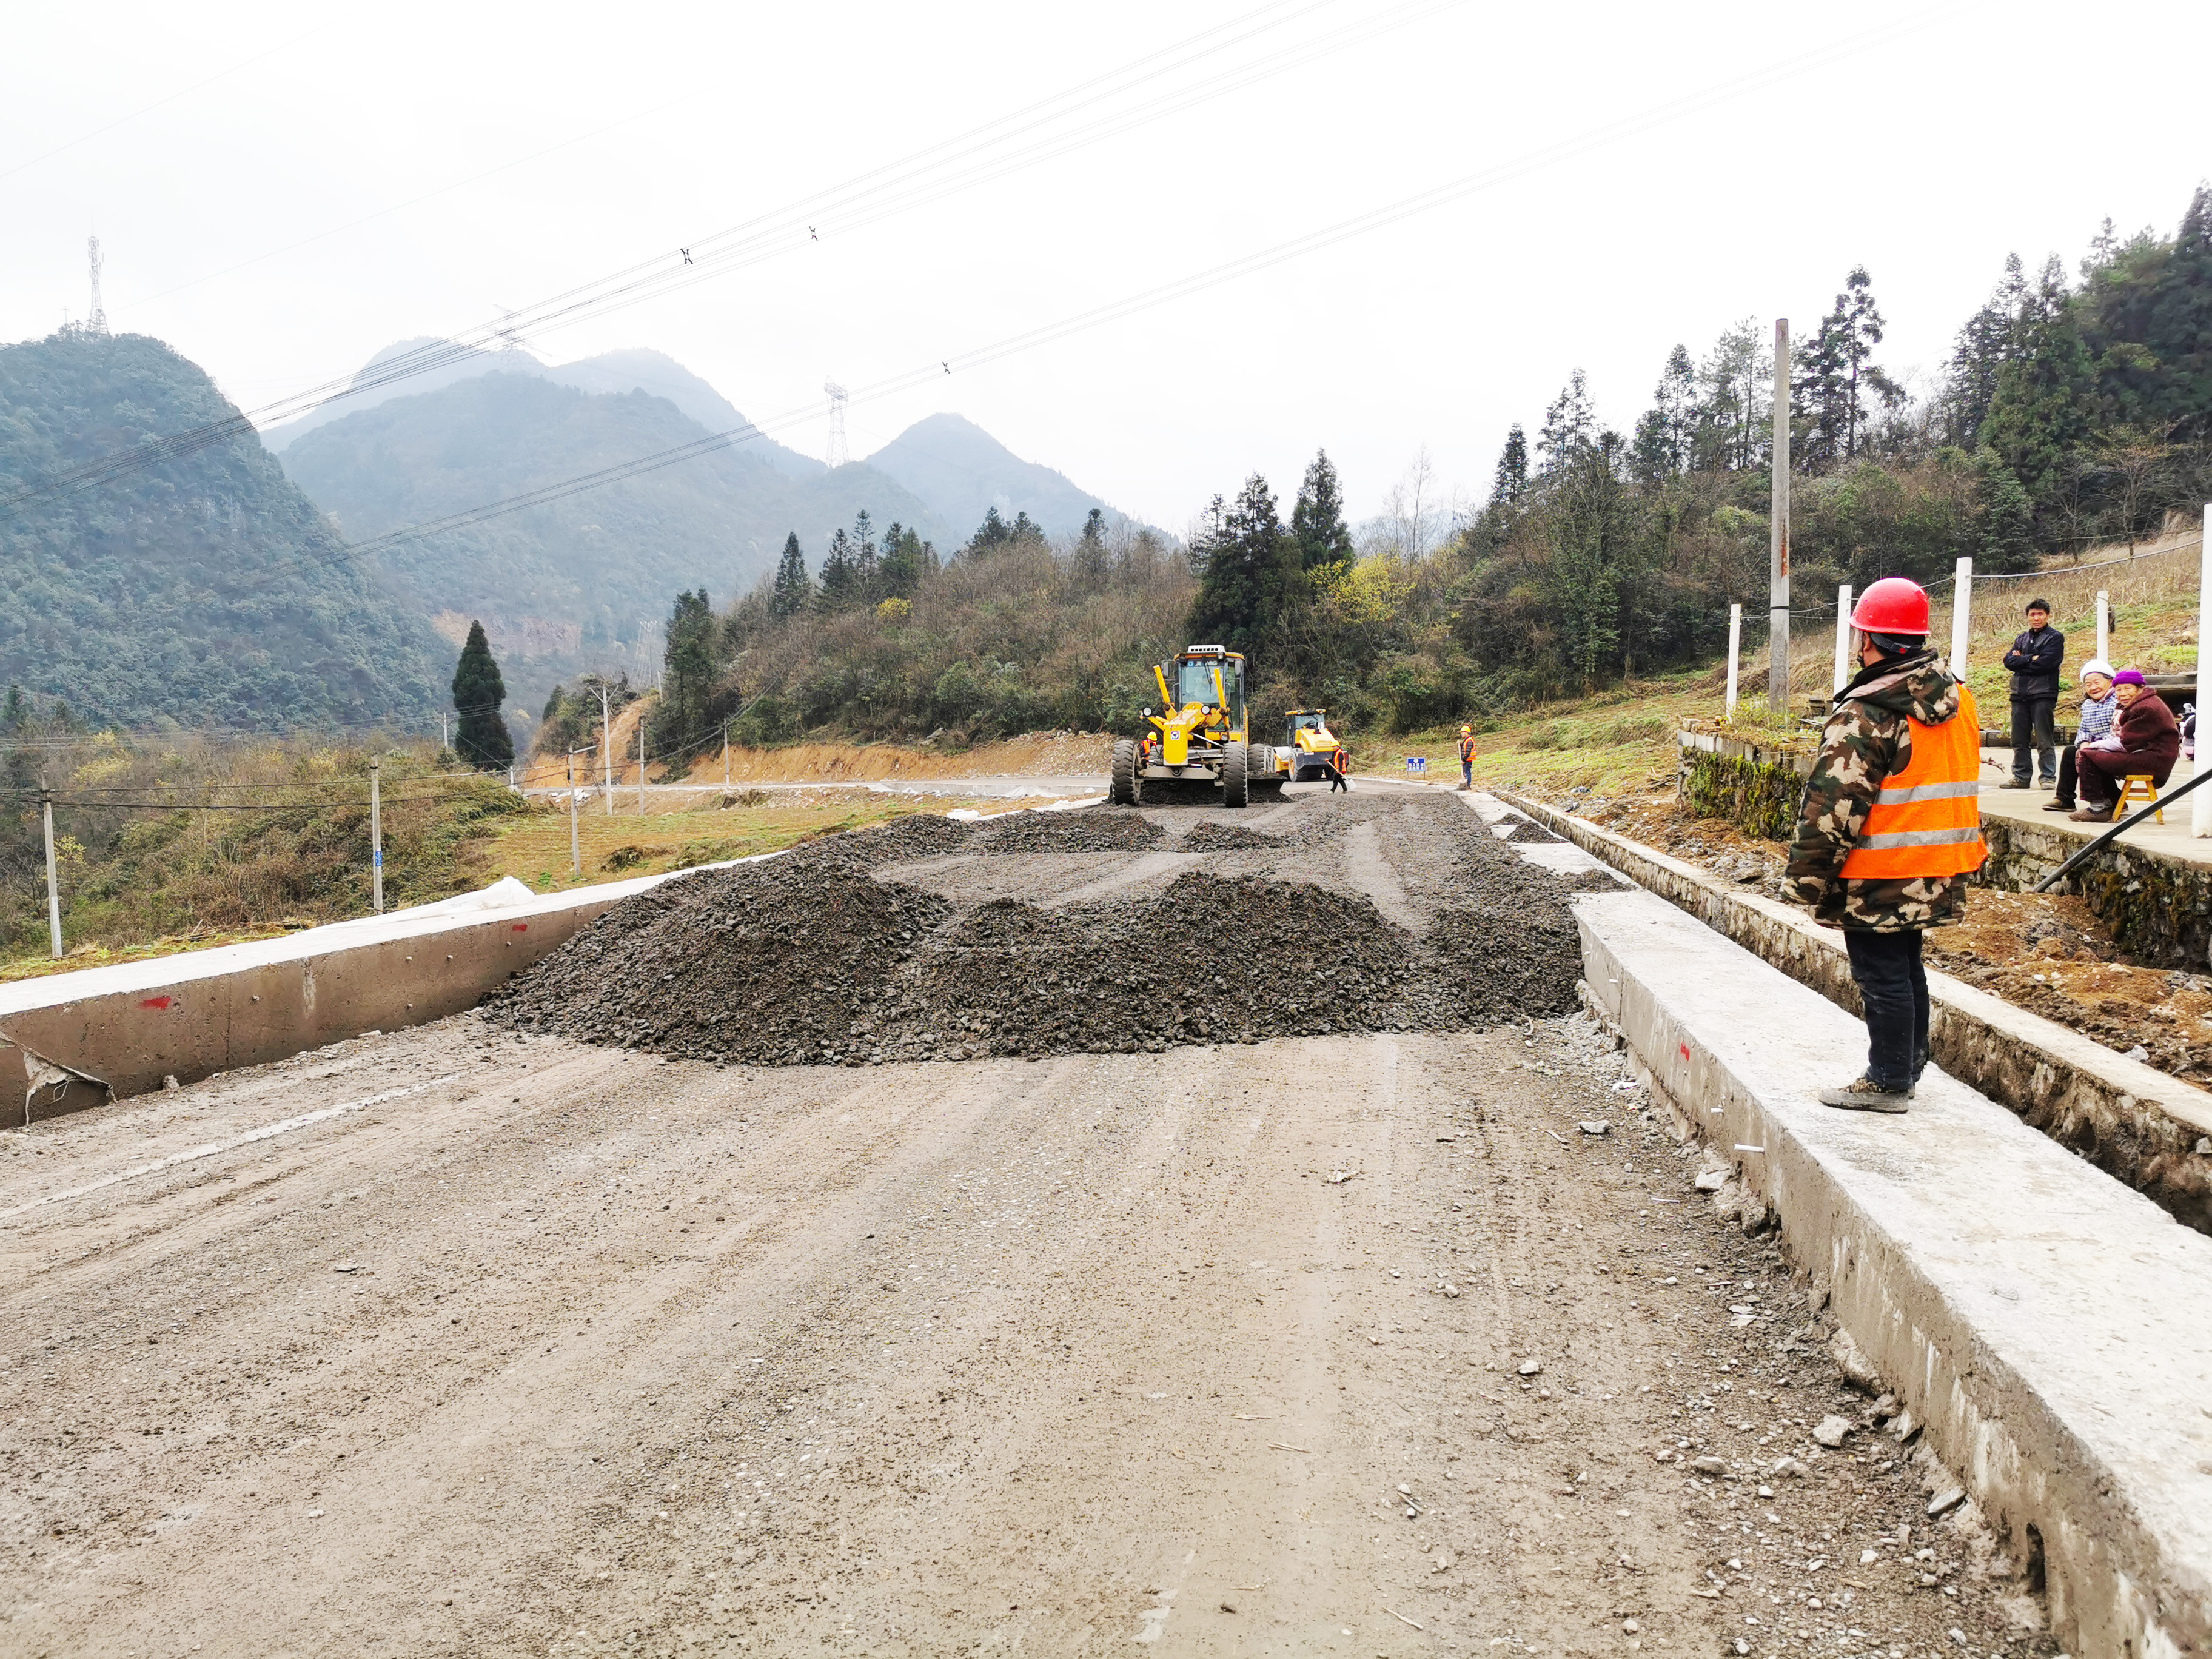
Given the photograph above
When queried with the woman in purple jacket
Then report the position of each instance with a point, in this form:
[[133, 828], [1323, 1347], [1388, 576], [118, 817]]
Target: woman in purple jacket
[[2148, 739]]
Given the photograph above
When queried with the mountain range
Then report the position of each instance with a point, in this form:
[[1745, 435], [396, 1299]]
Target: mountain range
[[218, 586]]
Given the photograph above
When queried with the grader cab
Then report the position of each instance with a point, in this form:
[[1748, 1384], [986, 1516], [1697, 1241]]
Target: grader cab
[[1199, 732]]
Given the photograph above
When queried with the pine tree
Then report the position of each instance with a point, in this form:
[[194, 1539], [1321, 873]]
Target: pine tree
[[907, 559], [866, 581], [1512, 469], [2040, 418], [793, 594], [481, 738], [15, 712], [688, 663], [1986, 342], [1317, 524], [2178, 331], [1248, 571], [1568, 425], [1665, 433], [993, 531], [1088, 569], [840, 577], [1026, 529]]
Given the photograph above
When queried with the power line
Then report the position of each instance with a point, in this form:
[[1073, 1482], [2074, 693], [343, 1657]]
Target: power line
[[667, 272]]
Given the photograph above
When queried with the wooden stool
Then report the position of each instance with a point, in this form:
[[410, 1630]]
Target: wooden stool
[[2137, 787]]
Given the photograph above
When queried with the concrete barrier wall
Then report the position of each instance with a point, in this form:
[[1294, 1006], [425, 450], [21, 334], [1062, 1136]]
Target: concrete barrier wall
[[2133, 1122], [75, 1039], [2028, 1311]]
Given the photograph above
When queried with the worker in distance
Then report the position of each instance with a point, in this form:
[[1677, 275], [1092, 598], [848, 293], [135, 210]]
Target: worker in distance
[[1890, 829]]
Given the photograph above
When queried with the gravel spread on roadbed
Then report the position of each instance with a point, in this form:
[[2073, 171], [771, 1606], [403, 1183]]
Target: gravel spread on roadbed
[[823, 956]]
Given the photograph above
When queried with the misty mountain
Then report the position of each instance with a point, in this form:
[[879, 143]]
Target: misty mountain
[[206, 590], [585, 581], [963, 471], [633, 369]]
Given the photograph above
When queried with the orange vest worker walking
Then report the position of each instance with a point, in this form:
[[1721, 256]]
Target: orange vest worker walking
[[1466, 757], [1890, 829]]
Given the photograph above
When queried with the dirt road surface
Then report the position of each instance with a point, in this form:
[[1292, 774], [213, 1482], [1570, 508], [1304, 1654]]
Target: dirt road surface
[[454, 1342]]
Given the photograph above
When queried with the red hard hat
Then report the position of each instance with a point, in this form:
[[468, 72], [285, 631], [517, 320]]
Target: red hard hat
[[1892, 605]]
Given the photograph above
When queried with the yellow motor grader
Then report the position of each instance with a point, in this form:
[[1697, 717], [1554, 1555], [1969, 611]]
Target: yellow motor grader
[[1200, 733]]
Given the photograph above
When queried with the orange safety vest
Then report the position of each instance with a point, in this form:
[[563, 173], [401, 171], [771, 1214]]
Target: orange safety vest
[[1927, 819], [1465, 750]]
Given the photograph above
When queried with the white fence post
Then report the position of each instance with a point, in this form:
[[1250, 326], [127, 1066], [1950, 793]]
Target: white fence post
[[1843, 636], [2200, 809], [2104, 624], [1735, 643], [1962, 612]]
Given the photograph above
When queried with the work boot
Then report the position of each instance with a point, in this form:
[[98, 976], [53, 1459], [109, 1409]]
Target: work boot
[[1864, 1094], [2058, 806], [2014, 783], [2094, 814]]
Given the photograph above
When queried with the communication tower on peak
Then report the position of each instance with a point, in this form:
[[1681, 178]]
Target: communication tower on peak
[[836, 422], [97, 322]]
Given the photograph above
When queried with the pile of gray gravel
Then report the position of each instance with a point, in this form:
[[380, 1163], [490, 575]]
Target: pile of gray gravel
[[814, 958]]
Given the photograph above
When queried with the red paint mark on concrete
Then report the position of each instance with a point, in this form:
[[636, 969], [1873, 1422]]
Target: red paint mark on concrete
[[1685, 1050], [521, 926], [156, 1002]]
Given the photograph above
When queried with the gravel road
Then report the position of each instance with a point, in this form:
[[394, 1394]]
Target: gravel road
[[464, 1341]]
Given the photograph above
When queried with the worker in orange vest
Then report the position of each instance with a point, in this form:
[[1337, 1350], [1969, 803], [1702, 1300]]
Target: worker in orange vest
[[1466, 757], [1339, 766], [1890, 829]]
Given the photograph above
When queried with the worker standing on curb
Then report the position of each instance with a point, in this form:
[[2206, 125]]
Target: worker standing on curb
[[1890, 829], [1466, 757]]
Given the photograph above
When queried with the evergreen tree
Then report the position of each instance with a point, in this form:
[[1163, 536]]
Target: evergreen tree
[[1512, 469], [1986, 342], [15, 712], [1089, 568], [866, 581], [1248, 571], [1317, 524], [1026, 529], [2007, 514], [841, 588], [1838, 373], [481, 738], [993, 531], [1665, 433], [1735, 401], [1568, 425], [2178, 332], [793, 594], [2039, 418], [688, 663], [907, 559]]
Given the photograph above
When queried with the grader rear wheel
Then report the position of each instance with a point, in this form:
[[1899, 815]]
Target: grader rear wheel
[[1122, 790]]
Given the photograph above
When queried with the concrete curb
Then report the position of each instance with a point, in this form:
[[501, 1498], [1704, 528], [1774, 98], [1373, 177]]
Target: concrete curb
[[2019, 1303], [2132, 1121], [84, 1037]]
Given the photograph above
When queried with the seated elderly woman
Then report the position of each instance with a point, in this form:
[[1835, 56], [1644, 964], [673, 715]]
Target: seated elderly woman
[[2146, 738], [2099, 709]]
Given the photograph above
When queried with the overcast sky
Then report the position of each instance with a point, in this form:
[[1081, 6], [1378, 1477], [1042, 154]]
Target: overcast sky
[[278, 197]]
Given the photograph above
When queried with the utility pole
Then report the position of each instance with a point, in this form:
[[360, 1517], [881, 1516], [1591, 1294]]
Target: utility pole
[[53, 883], [575, 834], [444, 732], [1778, 534], [2104, 624], [837, 396], [1735, 644], [726, 754], [376, 834], [641, 766], [1843, 636], [1962, 615]]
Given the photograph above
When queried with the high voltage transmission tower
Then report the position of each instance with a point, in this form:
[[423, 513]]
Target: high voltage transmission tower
[[836, 422], [97, 322]]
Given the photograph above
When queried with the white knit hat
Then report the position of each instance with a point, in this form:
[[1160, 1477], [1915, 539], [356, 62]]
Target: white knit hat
[[2094, 665]]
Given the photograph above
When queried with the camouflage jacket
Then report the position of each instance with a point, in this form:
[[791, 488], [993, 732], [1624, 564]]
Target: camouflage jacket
[[1868, 737]]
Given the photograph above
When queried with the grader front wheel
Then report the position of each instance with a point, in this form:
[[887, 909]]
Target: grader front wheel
[[1236, 783]]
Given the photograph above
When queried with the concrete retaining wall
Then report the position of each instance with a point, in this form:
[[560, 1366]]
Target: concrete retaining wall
[[2132, 1121], [74, 1040], [2038, 1318]]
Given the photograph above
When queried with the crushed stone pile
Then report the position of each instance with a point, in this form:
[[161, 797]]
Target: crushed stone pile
[[811, 958], [1227, 838], [1100, 829], [1528, 830]]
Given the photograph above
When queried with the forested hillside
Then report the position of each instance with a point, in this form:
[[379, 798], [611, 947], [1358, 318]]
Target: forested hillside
[[205, 590], [2071, 410], [576, 583]]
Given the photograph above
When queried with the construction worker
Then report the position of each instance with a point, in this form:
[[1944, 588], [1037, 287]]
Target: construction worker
[[1466, 757], [1890, 829], [1340, 763]]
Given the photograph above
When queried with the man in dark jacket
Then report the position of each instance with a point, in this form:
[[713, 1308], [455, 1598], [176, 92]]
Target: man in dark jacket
[[2034, 660]]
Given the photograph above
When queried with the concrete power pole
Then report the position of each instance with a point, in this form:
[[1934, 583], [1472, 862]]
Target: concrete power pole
[[575, 834], [53, 883], [376, 834], [606, 749], [1778, 535]]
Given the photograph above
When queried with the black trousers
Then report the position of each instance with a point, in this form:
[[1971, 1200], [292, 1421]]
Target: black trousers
[[2065, 790], [2032, 727], [1336, 781], [1893, 985]]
